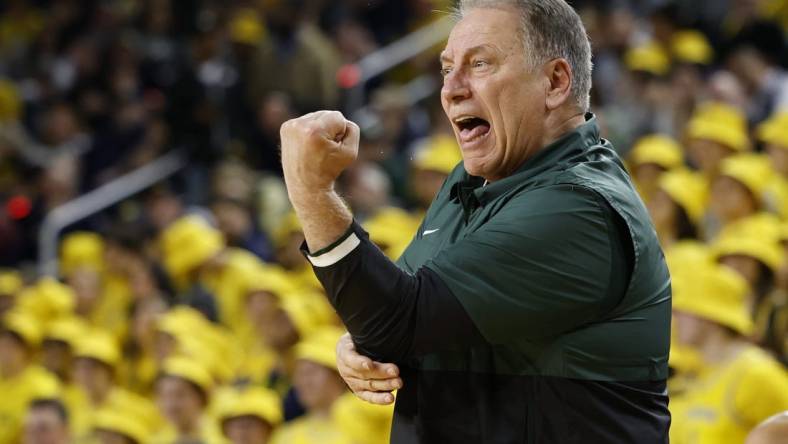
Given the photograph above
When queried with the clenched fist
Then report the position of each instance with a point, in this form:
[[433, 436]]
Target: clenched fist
[[316, 148]]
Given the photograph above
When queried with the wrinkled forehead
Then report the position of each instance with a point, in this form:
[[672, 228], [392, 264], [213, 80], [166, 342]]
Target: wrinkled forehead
[[495, 28]]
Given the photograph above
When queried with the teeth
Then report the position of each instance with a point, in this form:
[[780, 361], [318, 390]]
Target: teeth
[[464, 119]]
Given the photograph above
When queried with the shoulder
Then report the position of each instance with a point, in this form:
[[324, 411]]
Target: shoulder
[[555, 205]]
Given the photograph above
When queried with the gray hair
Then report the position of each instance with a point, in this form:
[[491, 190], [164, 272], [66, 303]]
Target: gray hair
[[551, 29]]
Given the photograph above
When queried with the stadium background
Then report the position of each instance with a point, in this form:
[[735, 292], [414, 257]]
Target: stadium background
[[151, 279]]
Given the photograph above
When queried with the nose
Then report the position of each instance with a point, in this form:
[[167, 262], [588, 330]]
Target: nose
[[455, 87]]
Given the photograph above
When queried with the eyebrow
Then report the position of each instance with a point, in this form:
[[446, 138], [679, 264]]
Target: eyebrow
[[444, 57]]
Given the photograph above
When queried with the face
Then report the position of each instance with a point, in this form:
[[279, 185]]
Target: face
[[690, 329], [317, 386], [56, 357], [178, 400], [748, 267], [247, 430], [86, 283], [280, 333], [12, 351], [647, 176], [261, 306], [779, 158], [707, 155], [233, 220], [93, 377], [495, 102], [730, 200], [44, 426], [663, 212]]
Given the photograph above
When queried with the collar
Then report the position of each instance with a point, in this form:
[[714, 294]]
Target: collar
[[471, 194]]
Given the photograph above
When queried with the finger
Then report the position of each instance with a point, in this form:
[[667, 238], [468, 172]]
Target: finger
[[333, 123], [376, 397], [374, 385], [346, 352], [351, 135]]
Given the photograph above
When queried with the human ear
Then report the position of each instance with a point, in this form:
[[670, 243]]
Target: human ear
[[559, 83]]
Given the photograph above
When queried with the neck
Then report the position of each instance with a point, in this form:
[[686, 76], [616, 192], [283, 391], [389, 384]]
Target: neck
[[562, 124]]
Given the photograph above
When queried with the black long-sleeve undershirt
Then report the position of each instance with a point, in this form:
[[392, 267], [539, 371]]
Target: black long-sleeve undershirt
[[390, 314]]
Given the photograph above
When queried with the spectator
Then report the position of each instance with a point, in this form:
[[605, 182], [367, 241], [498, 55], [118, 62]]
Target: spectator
[[21, 380], [46, 423], [250, 416], [183, 394]]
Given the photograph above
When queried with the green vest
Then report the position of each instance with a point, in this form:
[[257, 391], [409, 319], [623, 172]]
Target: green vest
[[528, 257]]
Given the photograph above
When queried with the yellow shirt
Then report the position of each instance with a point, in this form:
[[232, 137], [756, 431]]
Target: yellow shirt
[[728, 400], [16, 393], [310, 430], [209, 434], [111, 312], [229, 284]]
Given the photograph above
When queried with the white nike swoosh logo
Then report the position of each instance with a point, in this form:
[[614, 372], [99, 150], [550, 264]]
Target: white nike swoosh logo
[[426, 232]]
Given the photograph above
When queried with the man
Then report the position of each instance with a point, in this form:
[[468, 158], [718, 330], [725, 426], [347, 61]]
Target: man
[[533, 305], [46, 423]]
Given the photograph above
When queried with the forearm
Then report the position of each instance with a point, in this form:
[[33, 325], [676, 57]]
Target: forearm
[[390, 314], [323, 215]]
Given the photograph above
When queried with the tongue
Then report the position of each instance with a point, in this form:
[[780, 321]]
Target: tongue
[[472, 133]]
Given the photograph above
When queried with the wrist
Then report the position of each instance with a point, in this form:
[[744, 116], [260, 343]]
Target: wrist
[[306, 195]]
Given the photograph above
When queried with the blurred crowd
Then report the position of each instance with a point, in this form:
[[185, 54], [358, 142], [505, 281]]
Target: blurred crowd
[[187, 313]]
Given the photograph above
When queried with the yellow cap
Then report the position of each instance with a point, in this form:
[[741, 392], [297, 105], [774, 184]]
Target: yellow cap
[[754, 171], [764, 249], [10, 282], [439, 153], [271, 280], [188, 243], [307, 312], [392, 229], [47, 300], [691, 46], [320, 346], [10, 102], [122, 423], [718, 294], [24, 325], [258, 402], [686, 254], [721, 123], [764, 225], [98, 345], [774, 130], [659, 149], [650, 58], [246, 27], [285, 228], [81, 249], [190, 370], [361, 421], [68, 329], [688, 189]]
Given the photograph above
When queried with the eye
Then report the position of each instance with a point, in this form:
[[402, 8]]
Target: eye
[[480, 64], [445, 71]]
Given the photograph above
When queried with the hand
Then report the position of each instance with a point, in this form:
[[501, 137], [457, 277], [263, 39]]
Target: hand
[[316, 148], [371, 381]]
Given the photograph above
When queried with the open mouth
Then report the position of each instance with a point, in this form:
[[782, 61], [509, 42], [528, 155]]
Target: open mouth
[[472, 128]]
